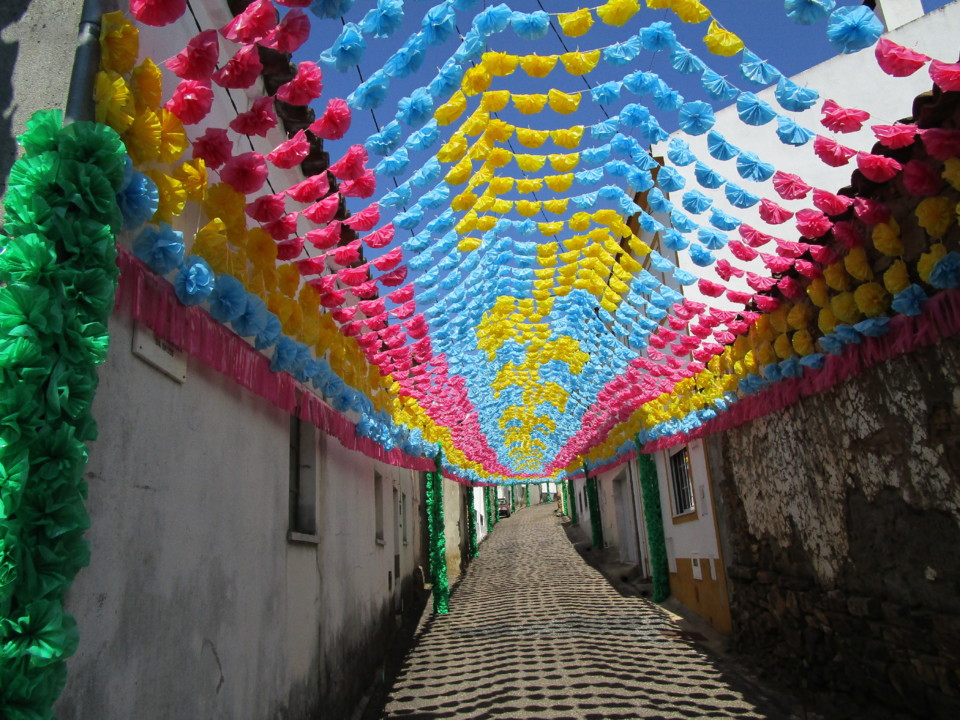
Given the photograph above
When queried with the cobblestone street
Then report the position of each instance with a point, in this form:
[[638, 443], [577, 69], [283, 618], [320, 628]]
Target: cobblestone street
[[534, 632]]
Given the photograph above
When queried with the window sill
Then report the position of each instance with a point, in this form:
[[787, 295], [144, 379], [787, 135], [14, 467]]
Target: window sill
[[380, 541], [688, 516], [302, 538]]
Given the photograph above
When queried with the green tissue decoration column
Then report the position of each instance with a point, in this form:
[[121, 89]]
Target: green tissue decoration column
[[58, 279], [438, 543], [473, 548], [513, 499], [649, 487], [486, 508], [574, 518], [526, 491], [593, 502], [564, 486]]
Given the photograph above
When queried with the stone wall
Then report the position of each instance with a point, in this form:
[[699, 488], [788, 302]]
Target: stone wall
[[840, 518]]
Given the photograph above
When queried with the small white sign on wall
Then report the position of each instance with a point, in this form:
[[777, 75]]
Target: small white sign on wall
[[159, 353]]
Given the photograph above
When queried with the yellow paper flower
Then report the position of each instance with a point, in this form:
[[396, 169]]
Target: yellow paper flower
[[210, 243], [836, 276], [618, 12], [502, 207], [563, 103], [119, 43], [886, 238], [896, 279], [463, 201], [575, 24], [459, 173], [532, 138], [261, 251], [936, 215], [557, 206], [856, 263], [224, 202], [951, 172], [476, 123], [468, 244], [501, 185], [498, 131], [475, 80], [451, 109], [528, 185], [826, 321], [529, 104], [114, 101], [530, 163], [690, 11], [538, 66], [782, 346], [568, 138], [193, 176], [500, 157], [844, 307], [288, 279], [818, 293], [929, 259], [580, 63], [872, 300], [453, 150], [778, 318], [638, 246], [486, 222], [146, 84], [142, 138], [494, 100], [528, 208], [550, 228], [172, 196], [579, 221], [800, 316], [500, 63], [802, 343], [722, 42], [628, 262], [559, 183], [563, 163], [766, 353], [173, 138]]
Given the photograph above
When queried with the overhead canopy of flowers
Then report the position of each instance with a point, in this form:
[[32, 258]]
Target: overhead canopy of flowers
[[502, 270]]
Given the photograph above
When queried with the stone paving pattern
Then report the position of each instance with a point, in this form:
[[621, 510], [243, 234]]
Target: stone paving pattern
[[534, 632]]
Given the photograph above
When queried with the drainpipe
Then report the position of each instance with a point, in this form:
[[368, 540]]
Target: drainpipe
[[86, 62]]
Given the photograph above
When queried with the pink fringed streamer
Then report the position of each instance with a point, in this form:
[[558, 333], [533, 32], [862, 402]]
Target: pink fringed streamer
[[253, 24], [290, 34], [191, 101], [258, 120], [214, 147], [945, 75], [897, 60], [241, 71], [290, 153], [841, 119], [199, 59], [306, 85], [334, 122], [157, 12]]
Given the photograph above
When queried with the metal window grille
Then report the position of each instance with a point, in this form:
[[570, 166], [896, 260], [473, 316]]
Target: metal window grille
[[680, 478]]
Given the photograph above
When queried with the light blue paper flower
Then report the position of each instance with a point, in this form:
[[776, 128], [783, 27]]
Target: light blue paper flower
[[194, 282]]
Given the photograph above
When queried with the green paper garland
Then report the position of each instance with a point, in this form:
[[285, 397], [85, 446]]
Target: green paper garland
[[438, 542], [58, 278], [650, 489], [473, 548], [513, 499], [526, 491], [488, 507], [564, 488], [574, 516], [593, 502]]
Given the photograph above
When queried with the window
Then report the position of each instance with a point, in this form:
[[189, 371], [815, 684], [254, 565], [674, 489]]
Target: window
[[304, 443], [680, 482], [403, 517], [378, 507]]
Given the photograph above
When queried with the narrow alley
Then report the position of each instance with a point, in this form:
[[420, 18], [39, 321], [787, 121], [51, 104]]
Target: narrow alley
[[534, 632]]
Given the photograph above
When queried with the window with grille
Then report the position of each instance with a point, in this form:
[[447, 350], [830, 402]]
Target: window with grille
[[680, 482]]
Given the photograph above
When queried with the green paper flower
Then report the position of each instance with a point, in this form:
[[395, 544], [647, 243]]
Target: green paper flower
[[70, 389], [83, 242], [89, 191], [92, 144], [26, 314], [57, 454], [43, 131], [27, 258], [14, 474], [28, 693], [43, 633], [91, 290]]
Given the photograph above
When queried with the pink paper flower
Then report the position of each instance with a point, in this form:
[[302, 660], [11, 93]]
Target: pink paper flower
[[842, 120], [847, 234], [352, 165], [199, 59], [334, 122], [394, 277], [831, 152], [877, 168], [325, 238], [741, 251], [241, 71], [897, 60], [343, 315], [246, 173], [290, 249], [323, 211], [807, 268], [776, 263], [895, 136], [311, 189], [191, 101], [389, 260], [920, 179], [290, 34], [267, 208], [363, 187], [402, 295], [738, 298], [333, 299], [760, 283], [710, 289], [813, 223], [790, 187], [365, 219], [258, 120], [352, 277], [312, 266], [822, 254], [283, 227], [253, 24], [406, 310], [292, 152], [871, 211], [346, 254], [785, 248], [306, 85], [766, 303], [214, 147], [941, 143], [380, 238], [753, 237], [771, 212], [945, 75], [157, 12], [791, 288], [829, 203]]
